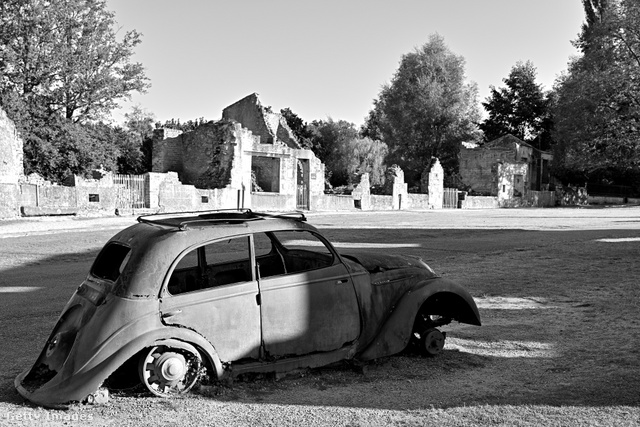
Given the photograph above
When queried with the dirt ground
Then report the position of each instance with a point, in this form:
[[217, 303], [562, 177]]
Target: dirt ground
[[558, 292]]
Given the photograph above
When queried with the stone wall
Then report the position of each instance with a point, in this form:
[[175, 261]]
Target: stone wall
[[203, 158], [509, 189], [11, 151], [166, 151], [9, 200], [480, 202], [417, 201], [11, 168], [478, 168], [334, 202]]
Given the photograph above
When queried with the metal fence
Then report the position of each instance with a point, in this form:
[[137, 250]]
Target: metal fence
[[450, 198], [130, 191]]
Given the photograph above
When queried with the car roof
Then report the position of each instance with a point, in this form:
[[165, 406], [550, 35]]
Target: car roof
[[201, 219]]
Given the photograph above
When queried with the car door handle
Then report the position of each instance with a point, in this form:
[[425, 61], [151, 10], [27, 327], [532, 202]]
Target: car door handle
[[342, 281], [170, 313]]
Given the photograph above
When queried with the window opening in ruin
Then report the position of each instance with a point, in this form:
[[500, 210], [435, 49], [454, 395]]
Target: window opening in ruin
[[518, 188], [205, 199], [95, 198], [265, 174]]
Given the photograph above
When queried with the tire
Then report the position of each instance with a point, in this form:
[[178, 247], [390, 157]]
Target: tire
[[431, 342]]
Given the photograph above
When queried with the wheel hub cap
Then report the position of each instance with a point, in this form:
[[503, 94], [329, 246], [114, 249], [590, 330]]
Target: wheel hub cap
[[172, 367]]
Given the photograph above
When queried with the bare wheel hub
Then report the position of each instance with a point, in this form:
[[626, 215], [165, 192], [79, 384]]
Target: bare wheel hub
[[432, 341], [171, 367], [166, 371]]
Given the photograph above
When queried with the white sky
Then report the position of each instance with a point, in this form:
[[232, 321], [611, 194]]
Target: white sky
[[329, 58]]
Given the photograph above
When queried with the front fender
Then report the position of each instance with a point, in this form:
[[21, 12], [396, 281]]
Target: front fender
[[396, 332]]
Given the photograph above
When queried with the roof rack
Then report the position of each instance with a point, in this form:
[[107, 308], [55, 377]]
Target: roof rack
[[182, 220]]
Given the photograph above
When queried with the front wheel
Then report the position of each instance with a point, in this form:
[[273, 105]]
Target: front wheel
[[167, 371], [431, 342]]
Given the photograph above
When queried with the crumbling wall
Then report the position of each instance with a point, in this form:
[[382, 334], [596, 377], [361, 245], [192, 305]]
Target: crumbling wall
[[208, 154], [11, 151], [166, 154], [11, 168], [507, 185], [209, 157], [478, 167], [271, 127]]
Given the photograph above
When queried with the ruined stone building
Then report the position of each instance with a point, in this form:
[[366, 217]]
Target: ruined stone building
[[11, 167], [506, 167], [251, 152]]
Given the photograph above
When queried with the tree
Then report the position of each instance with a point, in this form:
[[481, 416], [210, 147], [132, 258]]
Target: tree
[[328, 138], [188, 126], [364, 155], [64, 55], [60, 148], [427, 110], [61, 69], [298, 127], [597, 114], [521, 108], [136, 143]]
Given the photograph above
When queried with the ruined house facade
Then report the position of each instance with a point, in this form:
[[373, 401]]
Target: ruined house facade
[[507, 168], [251, 153]]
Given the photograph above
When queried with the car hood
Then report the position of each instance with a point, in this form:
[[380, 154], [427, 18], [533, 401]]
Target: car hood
[[379, 263]]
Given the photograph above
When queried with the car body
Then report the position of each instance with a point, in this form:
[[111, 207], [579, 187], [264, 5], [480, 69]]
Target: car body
[[234, 292]]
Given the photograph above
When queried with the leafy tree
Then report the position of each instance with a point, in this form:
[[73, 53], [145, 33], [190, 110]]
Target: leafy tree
[[60, 148], [364, 155], [65, 55], [521, 108], [328, 138], [427, 110], [597, 114], [136, 142], [61, 69], [187, 126], [298, 126]]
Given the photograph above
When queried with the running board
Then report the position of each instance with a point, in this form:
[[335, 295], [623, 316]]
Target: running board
[[292, 363]]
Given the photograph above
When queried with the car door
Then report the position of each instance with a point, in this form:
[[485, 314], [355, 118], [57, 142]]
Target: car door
[[213, 291], [308, 301]]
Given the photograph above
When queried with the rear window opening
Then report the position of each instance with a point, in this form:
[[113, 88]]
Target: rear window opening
[[111, 261]]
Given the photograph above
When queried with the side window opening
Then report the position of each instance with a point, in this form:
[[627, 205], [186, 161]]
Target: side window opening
[[218, 263], [111, 261], [302, 251], [268, 258]]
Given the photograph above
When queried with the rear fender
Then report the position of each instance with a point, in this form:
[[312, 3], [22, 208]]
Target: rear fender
[[61, 390], [396, 332]]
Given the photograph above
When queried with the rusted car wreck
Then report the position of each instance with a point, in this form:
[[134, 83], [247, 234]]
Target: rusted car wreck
[[234, 292]]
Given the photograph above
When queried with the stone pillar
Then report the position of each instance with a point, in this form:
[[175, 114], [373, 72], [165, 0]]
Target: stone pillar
[[400, 192], [362, 192], [436, 185]]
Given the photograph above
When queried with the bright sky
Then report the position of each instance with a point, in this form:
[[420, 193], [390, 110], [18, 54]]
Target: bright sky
[[329, 58]]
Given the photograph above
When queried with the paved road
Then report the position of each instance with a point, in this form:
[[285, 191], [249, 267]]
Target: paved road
[[589, 218]]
